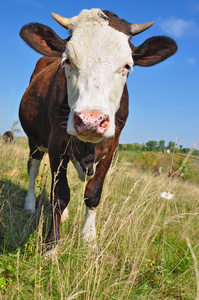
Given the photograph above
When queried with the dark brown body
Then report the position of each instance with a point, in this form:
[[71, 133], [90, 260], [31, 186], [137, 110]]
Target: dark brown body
[[43, 115]]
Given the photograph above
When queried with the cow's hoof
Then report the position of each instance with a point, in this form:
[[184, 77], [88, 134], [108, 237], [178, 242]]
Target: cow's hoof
[[52, 253], [30, 201], [29, 211], [51, 250], [65, 215], [89, 236]]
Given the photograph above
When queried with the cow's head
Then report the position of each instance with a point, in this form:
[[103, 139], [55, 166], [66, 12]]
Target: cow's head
[[97, 58]]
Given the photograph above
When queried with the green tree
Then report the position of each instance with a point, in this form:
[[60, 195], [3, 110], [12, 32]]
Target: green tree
[[136, 147], [161, 144], [195, 152], [144, 148], [185, 150], [129, 147], [171, 146], [152, 145]]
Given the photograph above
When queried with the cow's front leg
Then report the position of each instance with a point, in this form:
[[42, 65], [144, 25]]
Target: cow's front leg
[[60, 195], [33, 171], [34, 162], [89, 230], [93, 194]]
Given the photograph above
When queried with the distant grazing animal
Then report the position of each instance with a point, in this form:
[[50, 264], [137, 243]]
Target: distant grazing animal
[[76, 104], [8, 137]]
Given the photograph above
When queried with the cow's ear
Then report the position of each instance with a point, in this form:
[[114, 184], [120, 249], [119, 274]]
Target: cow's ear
[[153, 51], [43, 39]]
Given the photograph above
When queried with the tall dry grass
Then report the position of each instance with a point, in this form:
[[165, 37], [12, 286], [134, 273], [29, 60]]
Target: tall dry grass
[[146, 246]]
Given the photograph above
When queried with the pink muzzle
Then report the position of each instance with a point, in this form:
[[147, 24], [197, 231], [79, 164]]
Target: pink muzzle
[[91, 123]]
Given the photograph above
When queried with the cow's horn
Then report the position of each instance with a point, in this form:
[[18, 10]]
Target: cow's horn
[[138, 28], [61, 20]]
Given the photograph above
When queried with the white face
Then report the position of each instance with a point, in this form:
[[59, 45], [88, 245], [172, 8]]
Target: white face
[[97, 60]]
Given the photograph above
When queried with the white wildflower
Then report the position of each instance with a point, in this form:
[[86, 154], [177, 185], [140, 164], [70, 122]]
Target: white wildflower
[[167, 196]]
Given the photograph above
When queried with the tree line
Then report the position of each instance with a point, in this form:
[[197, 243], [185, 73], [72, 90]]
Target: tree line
[[158, 147]]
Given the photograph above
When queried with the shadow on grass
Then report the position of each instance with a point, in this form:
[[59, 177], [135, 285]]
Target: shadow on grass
[[15, 224]]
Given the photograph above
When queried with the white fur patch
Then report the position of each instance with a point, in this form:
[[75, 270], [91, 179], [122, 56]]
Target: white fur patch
[[30, 198], [86, 16], [89, 230], [65, 215], [96, 73]]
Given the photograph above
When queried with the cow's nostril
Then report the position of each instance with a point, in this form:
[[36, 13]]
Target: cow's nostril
[[105, 123], [77, 119], [92, 123]]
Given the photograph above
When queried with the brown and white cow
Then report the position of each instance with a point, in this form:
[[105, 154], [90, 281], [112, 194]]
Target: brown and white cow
[[76, 104]]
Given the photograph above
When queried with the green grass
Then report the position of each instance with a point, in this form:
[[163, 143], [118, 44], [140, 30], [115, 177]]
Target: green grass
[[141, 251]]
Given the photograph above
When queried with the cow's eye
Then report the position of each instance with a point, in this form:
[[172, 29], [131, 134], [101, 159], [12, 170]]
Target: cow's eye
[[127, 68], [66, 61]]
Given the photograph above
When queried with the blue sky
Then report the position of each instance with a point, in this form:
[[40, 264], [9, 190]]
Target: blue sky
[[164, 99]]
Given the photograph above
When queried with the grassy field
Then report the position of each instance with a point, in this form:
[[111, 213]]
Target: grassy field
[[147, 247]]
